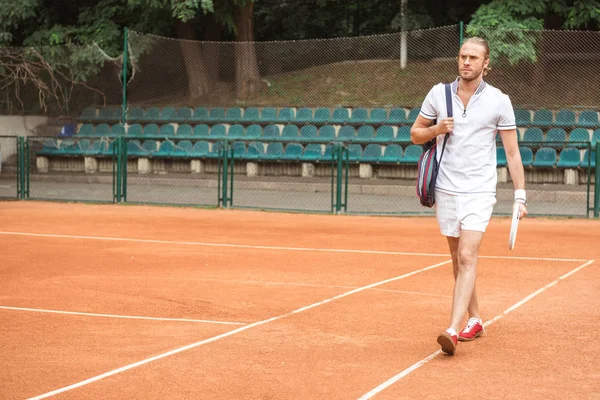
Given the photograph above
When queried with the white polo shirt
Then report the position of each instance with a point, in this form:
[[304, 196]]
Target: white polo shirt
[[469, 162]]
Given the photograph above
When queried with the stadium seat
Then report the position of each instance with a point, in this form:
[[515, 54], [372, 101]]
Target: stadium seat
[[347, 132], [165, 149], [233, 114], [412, 154], [200, 149], [135, 130], [585, 160], [290, 132], [166, 130], [218, 131], [392, 154], [555, 135], [134, 148], [312, 152], [235, 131], [251, 114], [95, 148], [595, 137], [152, 114], [82, 147], [49, 147], [271, 131], [545, 157], [365, 133], [255, 151], [377, 116], [285, 115], [533, 135], [184, 130], [403, 134], [135, 114], [239, 150], [253, 131], [167, 114], [569, 158], [183, 149], [588, 119], [308, 132], [201, 131], [526, 156], [354, 152], [293, 152], [565, 118], [117, 130], [151, 130], [579, 135], [274, 152], [522, 117], [412, 115], [327, 132], [215, 150], [107, 149], [216, 114], [86, 130], [200, 114], [182, 114], [340, 116], [397, 116], [371, 154], [385, 133], [304, 115], [103, 130], [88, 114], [500, 157], [322, 115], [268, 114], [359, 116], [327, 154], [111, 113], [148, 148], [543, 118]]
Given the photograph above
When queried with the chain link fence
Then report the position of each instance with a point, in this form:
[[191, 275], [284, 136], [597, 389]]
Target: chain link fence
[[8, 167]]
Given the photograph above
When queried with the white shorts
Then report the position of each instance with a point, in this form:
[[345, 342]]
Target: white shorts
[[466, 211]]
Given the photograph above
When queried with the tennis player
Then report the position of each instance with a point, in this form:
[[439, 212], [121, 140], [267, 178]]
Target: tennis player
[[466, 185]]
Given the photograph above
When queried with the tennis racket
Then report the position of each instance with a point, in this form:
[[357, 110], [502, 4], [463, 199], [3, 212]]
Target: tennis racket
[[514, 226]]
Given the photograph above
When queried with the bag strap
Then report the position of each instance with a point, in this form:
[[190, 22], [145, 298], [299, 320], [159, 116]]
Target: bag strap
[[448, 87]]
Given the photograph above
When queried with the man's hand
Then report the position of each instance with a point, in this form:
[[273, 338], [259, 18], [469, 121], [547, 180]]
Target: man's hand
[[444, 126], [522, 210]]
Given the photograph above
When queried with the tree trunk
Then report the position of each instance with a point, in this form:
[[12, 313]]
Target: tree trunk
[[198, 80], [248, 82], [211, 48]]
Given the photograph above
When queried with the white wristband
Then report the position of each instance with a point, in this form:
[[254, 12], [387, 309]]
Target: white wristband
[[521, 196]]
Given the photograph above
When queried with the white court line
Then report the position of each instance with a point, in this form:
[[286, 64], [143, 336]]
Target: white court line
[[247, 246], [39, 310], [230, 333], [430, 357]]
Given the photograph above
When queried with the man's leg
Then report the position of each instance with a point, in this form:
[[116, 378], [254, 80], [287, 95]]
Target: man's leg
[[453, 244], [465, 297]]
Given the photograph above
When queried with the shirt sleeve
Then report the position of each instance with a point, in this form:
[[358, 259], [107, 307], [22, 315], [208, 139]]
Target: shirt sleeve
[[428, 109], [506, 120]]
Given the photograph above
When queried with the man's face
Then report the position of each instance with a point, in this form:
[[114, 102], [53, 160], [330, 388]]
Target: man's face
[[471, 61]]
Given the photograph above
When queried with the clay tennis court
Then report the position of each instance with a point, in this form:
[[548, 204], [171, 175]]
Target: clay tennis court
[[106, 301]]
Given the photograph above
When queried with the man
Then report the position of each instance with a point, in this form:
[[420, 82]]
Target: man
[[466, 185]]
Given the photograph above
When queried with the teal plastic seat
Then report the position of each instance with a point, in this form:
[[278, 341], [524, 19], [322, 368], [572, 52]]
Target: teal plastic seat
[[392, 154], [365, 133], [256, 151], [322, 115], [308, 132], [327, 132], [151, 130], [556, 136], [543, 117], [167, 114], [385, 133], [184, 130], [545, 157], [251, 114], [233, 115], [412, 154], [526, 156], [103, 130], [586, 159], [135, 114], [49, 147], [285, 115], [183, 149], [166, 130], [107, 149], [595, 137], [88, 114], [403, 134], [588, 119], [253, 131], [200, 114], [152, 114], [304, 115], [500, 157], [165, 149], [201, 131], [217, 114], [215, 150], [182, 114], [312, 152], [354, 152], [569, 158], [413, 114], [268, 114], [218, 131], [340, 116], [239, 150], [200, 149], [293, 152], [117, 130], [347, 132], [565, 118], [290, 132], [522, 117], [148, 148], [83, 146], [579, 135], [134, 148], [371, 154], [359, 116], [86, 130], [236, 131], [95, 148], [111, 113], [397, 116], [271, 131], [274, 152], [378, 116], [327, 154], [533, 135]]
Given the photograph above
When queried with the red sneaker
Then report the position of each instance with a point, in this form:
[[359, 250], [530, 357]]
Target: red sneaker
[[448, 342], [472, 330]]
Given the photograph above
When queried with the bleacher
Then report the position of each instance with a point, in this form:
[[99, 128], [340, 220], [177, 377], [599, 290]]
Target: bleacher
[[548, 139]]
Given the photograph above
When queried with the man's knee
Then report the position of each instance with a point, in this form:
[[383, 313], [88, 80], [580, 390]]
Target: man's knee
[[467, 259]]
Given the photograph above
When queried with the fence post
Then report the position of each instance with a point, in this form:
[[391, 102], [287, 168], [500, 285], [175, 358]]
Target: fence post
[[27, 173], [19, 167], [125, 60], [597, 183], [123, 152], [461, 34]]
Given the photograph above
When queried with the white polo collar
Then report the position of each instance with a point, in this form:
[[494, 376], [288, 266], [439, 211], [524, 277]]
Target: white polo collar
[[479, 90]]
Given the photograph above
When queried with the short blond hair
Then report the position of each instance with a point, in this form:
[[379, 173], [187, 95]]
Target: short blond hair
[[483, 43]]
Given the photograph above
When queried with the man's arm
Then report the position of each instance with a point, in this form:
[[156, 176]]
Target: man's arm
[[423, 129], [515, 166]]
